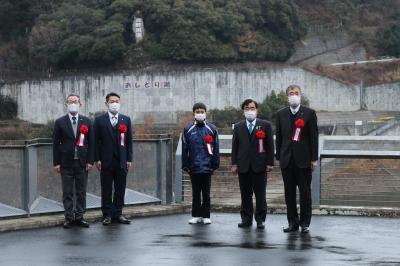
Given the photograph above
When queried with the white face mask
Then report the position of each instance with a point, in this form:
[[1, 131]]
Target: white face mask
[[250, 115], [114, 107], [294, 100], [73, 108], [200, 117]]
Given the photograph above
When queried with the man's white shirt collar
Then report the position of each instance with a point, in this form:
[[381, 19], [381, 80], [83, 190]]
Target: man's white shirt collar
[[295, 110], [252, 122], [70, 117], [111, 115]]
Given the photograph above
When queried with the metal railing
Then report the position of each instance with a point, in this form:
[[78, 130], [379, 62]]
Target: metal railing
[[351, 171], [358, 171], [29, 185]]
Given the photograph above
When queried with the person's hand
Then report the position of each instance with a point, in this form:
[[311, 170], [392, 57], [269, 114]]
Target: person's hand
[[57, 168], [89, 167], [313, 165], [234, 169], [98, 165], [270, 168], [129, 165]]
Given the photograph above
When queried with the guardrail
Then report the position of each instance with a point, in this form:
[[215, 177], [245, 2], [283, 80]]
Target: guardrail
[[29, 185], [351, 171]]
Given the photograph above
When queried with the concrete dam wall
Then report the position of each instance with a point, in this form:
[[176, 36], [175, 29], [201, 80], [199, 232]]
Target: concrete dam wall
[[163, 93]]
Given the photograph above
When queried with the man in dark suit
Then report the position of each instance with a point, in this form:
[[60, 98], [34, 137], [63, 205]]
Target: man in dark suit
[[297, 151], [73, 156], [252, 157], [113, 134]]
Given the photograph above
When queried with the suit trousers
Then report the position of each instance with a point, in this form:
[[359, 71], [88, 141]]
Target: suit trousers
[[201, 185], [250, 183], [113, 177], [74, 178], [294, 177]]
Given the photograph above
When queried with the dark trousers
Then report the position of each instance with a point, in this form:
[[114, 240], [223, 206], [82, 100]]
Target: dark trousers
[[113, 177], [74, 179], [250, 183], [201, 185], [293, 177]]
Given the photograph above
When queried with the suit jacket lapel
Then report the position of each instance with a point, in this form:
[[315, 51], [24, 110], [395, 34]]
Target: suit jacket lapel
[[300, 113], [287, 121], [121, 119], [80, 123], [253, 134], [69, 126], [108, 124], [245, 132]]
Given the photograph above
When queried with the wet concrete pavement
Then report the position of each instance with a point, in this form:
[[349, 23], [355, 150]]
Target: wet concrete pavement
[[169, 240]]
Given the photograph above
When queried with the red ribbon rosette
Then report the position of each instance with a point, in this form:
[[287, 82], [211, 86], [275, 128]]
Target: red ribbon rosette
[[299, 124], [260, 135], [83, 130], [209, 139], [122, 130]]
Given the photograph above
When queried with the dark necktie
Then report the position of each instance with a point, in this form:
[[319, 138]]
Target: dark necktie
[[114, 121], [250, 128]]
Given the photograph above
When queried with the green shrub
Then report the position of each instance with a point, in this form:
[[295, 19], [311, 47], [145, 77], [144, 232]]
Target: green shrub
[[47, 130], [9, 107], [389, 39], [226, 117]]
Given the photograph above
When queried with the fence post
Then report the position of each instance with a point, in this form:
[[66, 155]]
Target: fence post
[[316, 186], [29, 188], [168, 171], [178, 172], [316, 178]]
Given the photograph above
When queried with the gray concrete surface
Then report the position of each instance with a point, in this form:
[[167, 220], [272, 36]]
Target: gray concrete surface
[[218, 87], [169, 240]]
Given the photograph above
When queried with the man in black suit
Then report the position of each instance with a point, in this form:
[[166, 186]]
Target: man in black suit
[[113, 158], [252, 157], [297, 151], [73, 156]]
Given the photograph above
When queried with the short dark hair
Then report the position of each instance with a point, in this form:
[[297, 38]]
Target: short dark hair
[[71, 95], [247, 102], [112, 94], [293, 86], [199, 106]]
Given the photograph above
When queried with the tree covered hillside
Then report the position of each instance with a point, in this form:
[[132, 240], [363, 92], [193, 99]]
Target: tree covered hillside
[[76, 32], [61, 34]]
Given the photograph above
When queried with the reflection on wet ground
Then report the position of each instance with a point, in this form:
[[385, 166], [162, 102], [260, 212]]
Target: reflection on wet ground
[[169, 240]]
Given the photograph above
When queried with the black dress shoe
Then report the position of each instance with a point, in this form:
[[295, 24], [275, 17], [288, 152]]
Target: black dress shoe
[[107, 220], [244, 224], [82, 223], [305, 229], [67, 224], [291, 228], [122, 220], [260, 225]]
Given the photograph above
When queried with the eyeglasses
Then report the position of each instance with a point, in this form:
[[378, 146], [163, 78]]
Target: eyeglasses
[[72, 102]]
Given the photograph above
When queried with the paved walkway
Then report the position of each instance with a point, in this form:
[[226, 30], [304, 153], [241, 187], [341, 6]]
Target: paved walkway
[[169, 240]]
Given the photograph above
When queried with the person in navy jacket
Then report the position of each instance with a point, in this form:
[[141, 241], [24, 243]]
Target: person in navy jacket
[[113, 136], [200, 158]]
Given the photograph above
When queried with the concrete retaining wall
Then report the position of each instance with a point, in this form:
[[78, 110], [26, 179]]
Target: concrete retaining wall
[[164, 93]]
